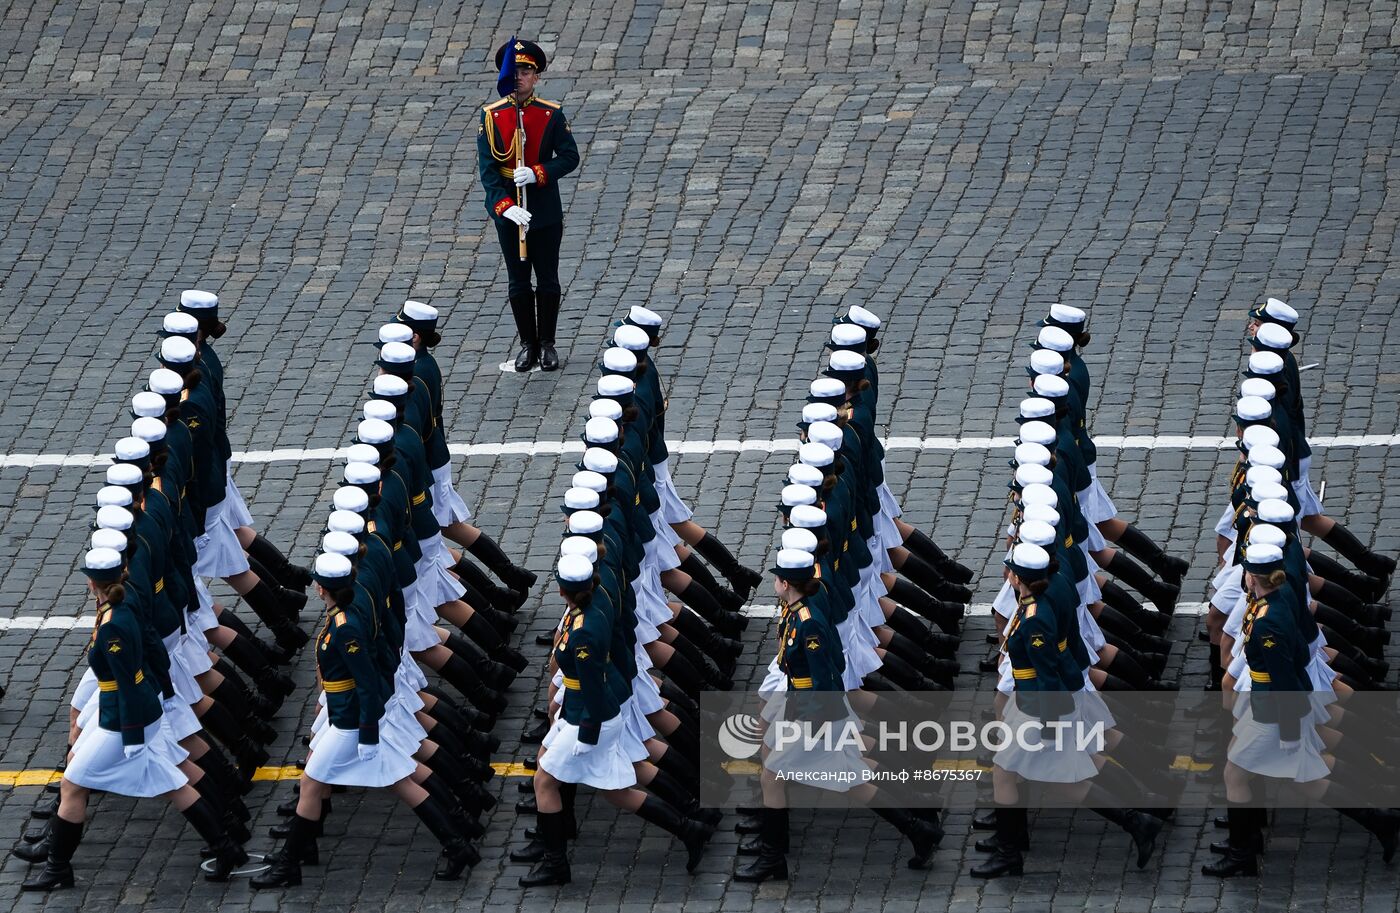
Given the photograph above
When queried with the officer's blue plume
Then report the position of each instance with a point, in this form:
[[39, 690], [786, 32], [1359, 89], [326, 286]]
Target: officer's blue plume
[[505, 80]]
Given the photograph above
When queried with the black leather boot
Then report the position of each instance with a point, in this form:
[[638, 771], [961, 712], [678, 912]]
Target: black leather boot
[[553, 866], [925, 835], [921, 573], [744, 580], [771, 849], [64, 837], [228, 855], [692, 833], [288, 575], [1381, 567], [285, 863], [1169, 568], [271, 611], [457, 853], [463, 677], [1011, 835], [947, 615], [489, 553], [523, 308], [1242, 856], [547, 307], [921, 545], [1162, 595]]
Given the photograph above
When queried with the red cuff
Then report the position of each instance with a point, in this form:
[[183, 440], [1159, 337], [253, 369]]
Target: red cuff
[[505, 204], [540, 176]]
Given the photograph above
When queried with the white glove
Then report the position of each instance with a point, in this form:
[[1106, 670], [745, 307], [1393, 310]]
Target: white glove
[[133, 751], [1289, 747], [582, 748], [518, 216], [368, 752], [524, 176]]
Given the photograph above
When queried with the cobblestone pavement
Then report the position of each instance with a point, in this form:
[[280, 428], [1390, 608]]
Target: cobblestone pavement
[[747, 169]]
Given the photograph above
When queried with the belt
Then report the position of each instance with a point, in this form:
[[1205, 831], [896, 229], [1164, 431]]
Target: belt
[[1022, 674], [339, 686], [573, 684], [802, 683], [1262, 677]]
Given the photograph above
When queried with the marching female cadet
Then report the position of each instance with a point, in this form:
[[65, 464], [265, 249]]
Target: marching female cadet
[[1046, 683], [348, 752], [639, 333], [589, 742], [220, 554], [197, 319], [127, 751], [1274, 733], [809, 664]]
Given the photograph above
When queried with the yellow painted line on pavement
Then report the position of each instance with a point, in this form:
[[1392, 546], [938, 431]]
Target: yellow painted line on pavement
[[43, 776]]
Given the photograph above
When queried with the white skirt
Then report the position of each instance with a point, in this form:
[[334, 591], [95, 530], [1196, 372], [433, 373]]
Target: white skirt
[[335, 759], [673, 509], [1089, 587], [435, 585], [419, 617], [880, 556], [652, 608], [868, 591], [608, 765], [645, 692], [886, 531], [1097, 505], [858, 645], [1090, 631], [409, 674], [838, 769], [639, 728], [774, 683], [1064, 763], [220, 555], [87, 687], [204, 617], [1005, 602], [888, 504], [233, 506], [1255, 749], [178, 719], [99, 763], [400, 728], [187, 690], [1095, 541], [1308, 502], [448, 506], [1225, 526], [1227, 597]]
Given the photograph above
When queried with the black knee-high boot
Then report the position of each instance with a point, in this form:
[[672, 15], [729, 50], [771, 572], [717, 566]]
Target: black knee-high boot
[[922, 833], [1110, 619], [707, 607], [1350, 605], [940, 670], [292, 601], [64, 837], [489, 639], [683, 674], [905, 675], [906, 624], [920, 544], [947, 615], [497, 675], [741, 578], [692, 565], [693, 655], [1142, 827], [1371, 640], [460, 675], [227, 854], [1170, 569], [922, 573], [275, 686], [692, 833], [228, 698], [1351, 548], [1012, 834], [723, 650], [224, 726], [553, 865], [275, 655], [449, 792], [504, 598], [1368, 588], [457, 853], [1122, 601], [679, 699], [489, 553], [771, 849], [685, 738], [216, 764], [1162, 595], [287, 574], [279, 618], [285, 871], [462, 725], [1126, 668], [672, 790], [1246, 841]]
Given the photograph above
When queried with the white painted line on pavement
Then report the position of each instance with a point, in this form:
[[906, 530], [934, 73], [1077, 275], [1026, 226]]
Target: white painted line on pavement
[[976, 610], [724, 445]]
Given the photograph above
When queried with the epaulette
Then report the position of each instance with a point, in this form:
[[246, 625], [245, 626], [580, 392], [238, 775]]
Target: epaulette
[[338, 619], [1030, 609], [804, 613], [496, 104], [548, 104], [577, 622]]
